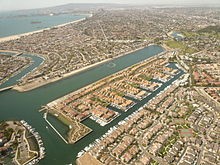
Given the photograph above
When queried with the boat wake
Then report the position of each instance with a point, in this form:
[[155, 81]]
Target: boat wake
[[111, 65]]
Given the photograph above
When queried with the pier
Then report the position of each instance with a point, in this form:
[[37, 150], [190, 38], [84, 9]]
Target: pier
[[6, 88]]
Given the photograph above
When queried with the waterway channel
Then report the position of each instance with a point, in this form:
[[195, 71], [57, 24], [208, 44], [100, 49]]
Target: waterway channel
[[36, 61], [17, 106]]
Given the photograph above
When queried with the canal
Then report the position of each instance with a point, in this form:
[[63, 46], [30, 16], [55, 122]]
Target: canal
[[17, 106], [36, 61]]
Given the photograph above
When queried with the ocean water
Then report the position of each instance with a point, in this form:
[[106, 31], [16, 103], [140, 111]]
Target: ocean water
[[12, 23]]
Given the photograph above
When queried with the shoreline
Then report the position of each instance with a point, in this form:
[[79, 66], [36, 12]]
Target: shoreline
[[40, 83], [17, 36], [37, 84]]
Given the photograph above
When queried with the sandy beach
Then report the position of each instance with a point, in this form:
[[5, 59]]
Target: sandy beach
[[11, 51]]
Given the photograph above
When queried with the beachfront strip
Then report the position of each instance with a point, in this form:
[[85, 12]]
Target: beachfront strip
[[20, 143], [11, 64], [120, 92], [173, 128], [109, 34]]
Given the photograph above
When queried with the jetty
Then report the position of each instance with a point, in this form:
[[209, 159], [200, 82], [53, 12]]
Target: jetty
[[45, 117], [6, 88]]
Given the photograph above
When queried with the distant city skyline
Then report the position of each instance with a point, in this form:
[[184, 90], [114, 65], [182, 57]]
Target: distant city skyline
[[31, 4]]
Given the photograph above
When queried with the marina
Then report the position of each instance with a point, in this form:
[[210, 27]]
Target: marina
[[26, 105], [41, 153]]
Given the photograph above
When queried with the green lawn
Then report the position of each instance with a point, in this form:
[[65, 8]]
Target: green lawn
[[180, 45], [190, 34], [210, 29], [175, 44], [146, 77]]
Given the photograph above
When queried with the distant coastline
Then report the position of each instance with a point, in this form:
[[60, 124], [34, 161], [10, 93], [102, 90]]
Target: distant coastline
[[17, 36]]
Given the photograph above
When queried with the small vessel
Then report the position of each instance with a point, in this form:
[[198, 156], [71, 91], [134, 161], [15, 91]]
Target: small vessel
[[35, 22], [46, 127]]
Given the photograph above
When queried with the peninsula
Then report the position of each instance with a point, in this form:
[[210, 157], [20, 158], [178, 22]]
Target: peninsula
[[120, 91]]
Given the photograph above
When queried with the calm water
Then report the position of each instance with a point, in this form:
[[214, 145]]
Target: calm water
[[15, 105], [17, 24]]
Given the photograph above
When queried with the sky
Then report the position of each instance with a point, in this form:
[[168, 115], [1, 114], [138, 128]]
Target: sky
[[29, 4]]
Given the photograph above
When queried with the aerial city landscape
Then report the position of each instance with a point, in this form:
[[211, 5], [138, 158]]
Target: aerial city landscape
[[110, 84]]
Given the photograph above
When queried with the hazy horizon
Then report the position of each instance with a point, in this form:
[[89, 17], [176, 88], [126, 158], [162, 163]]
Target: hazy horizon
[[32, 4]]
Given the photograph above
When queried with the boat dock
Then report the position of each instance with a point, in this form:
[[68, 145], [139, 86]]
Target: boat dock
[[44, 108], [41, 153]]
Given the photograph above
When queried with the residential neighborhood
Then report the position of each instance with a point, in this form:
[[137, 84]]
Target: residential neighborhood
[[183, 132], [121, 91], [107, 34], [10, 65], [114, 84]]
